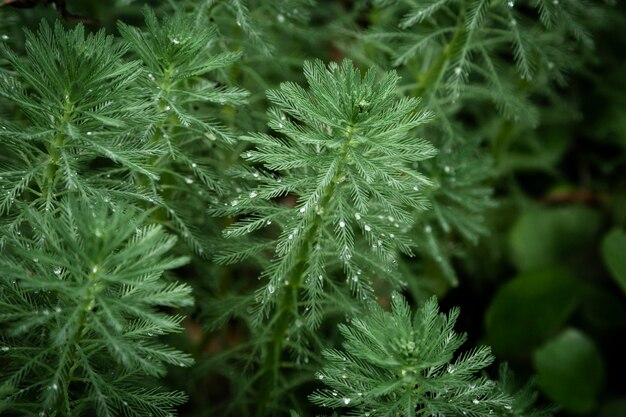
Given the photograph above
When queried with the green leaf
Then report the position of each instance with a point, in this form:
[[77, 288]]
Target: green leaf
[[571, 370], [530, 308], [614, 254], [545, 237]]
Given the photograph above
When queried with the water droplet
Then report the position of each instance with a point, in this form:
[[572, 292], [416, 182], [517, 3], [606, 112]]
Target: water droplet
[[302, 209], [238, 22], [367, 228], [268, 222], [475, 401], [342, 224], [193, 165], [167, 108], [346, 401], [447, 169], [5, 37], [175, 41], [5, 348], [508, 407], [280, 18], [555, 2], [357, 216], [513, 22], [428, 229], [57, 270], [253, 194], [189, 180], [57, 309], [35, 260], [511, 3], [458, 71], [234, 203], [271, 289], [416, 188], [450, 368], [89, 133], [94, 269], [320, 277]]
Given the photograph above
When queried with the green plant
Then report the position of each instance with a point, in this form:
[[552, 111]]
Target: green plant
[[312, 173]]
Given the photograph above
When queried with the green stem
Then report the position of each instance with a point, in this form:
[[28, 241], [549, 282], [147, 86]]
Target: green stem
[[89, 302], [54, 147], [287, 305], [428, 78]]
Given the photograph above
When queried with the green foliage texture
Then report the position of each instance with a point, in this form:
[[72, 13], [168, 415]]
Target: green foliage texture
[[260, 208]]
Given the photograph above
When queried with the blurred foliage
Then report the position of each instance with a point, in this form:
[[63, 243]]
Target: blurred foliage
[[537, 266]]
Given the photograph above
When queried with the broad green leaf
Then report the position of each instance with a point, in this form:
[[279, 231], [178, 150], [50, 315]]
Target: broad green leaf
[[529, 309], [570, 370], [614, 254], [544, 237]]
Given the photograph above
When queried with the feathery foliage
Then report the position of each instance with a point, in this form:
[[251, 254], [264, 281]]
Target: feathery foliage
[[391, 163], [81, 310], [346, 154], [399, 364], [78, 103]]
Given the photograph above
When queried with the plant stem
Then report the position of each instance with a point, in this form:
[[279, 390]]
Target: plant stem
[[432, 74], [287, 305], [54, 149], [89, 302]]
